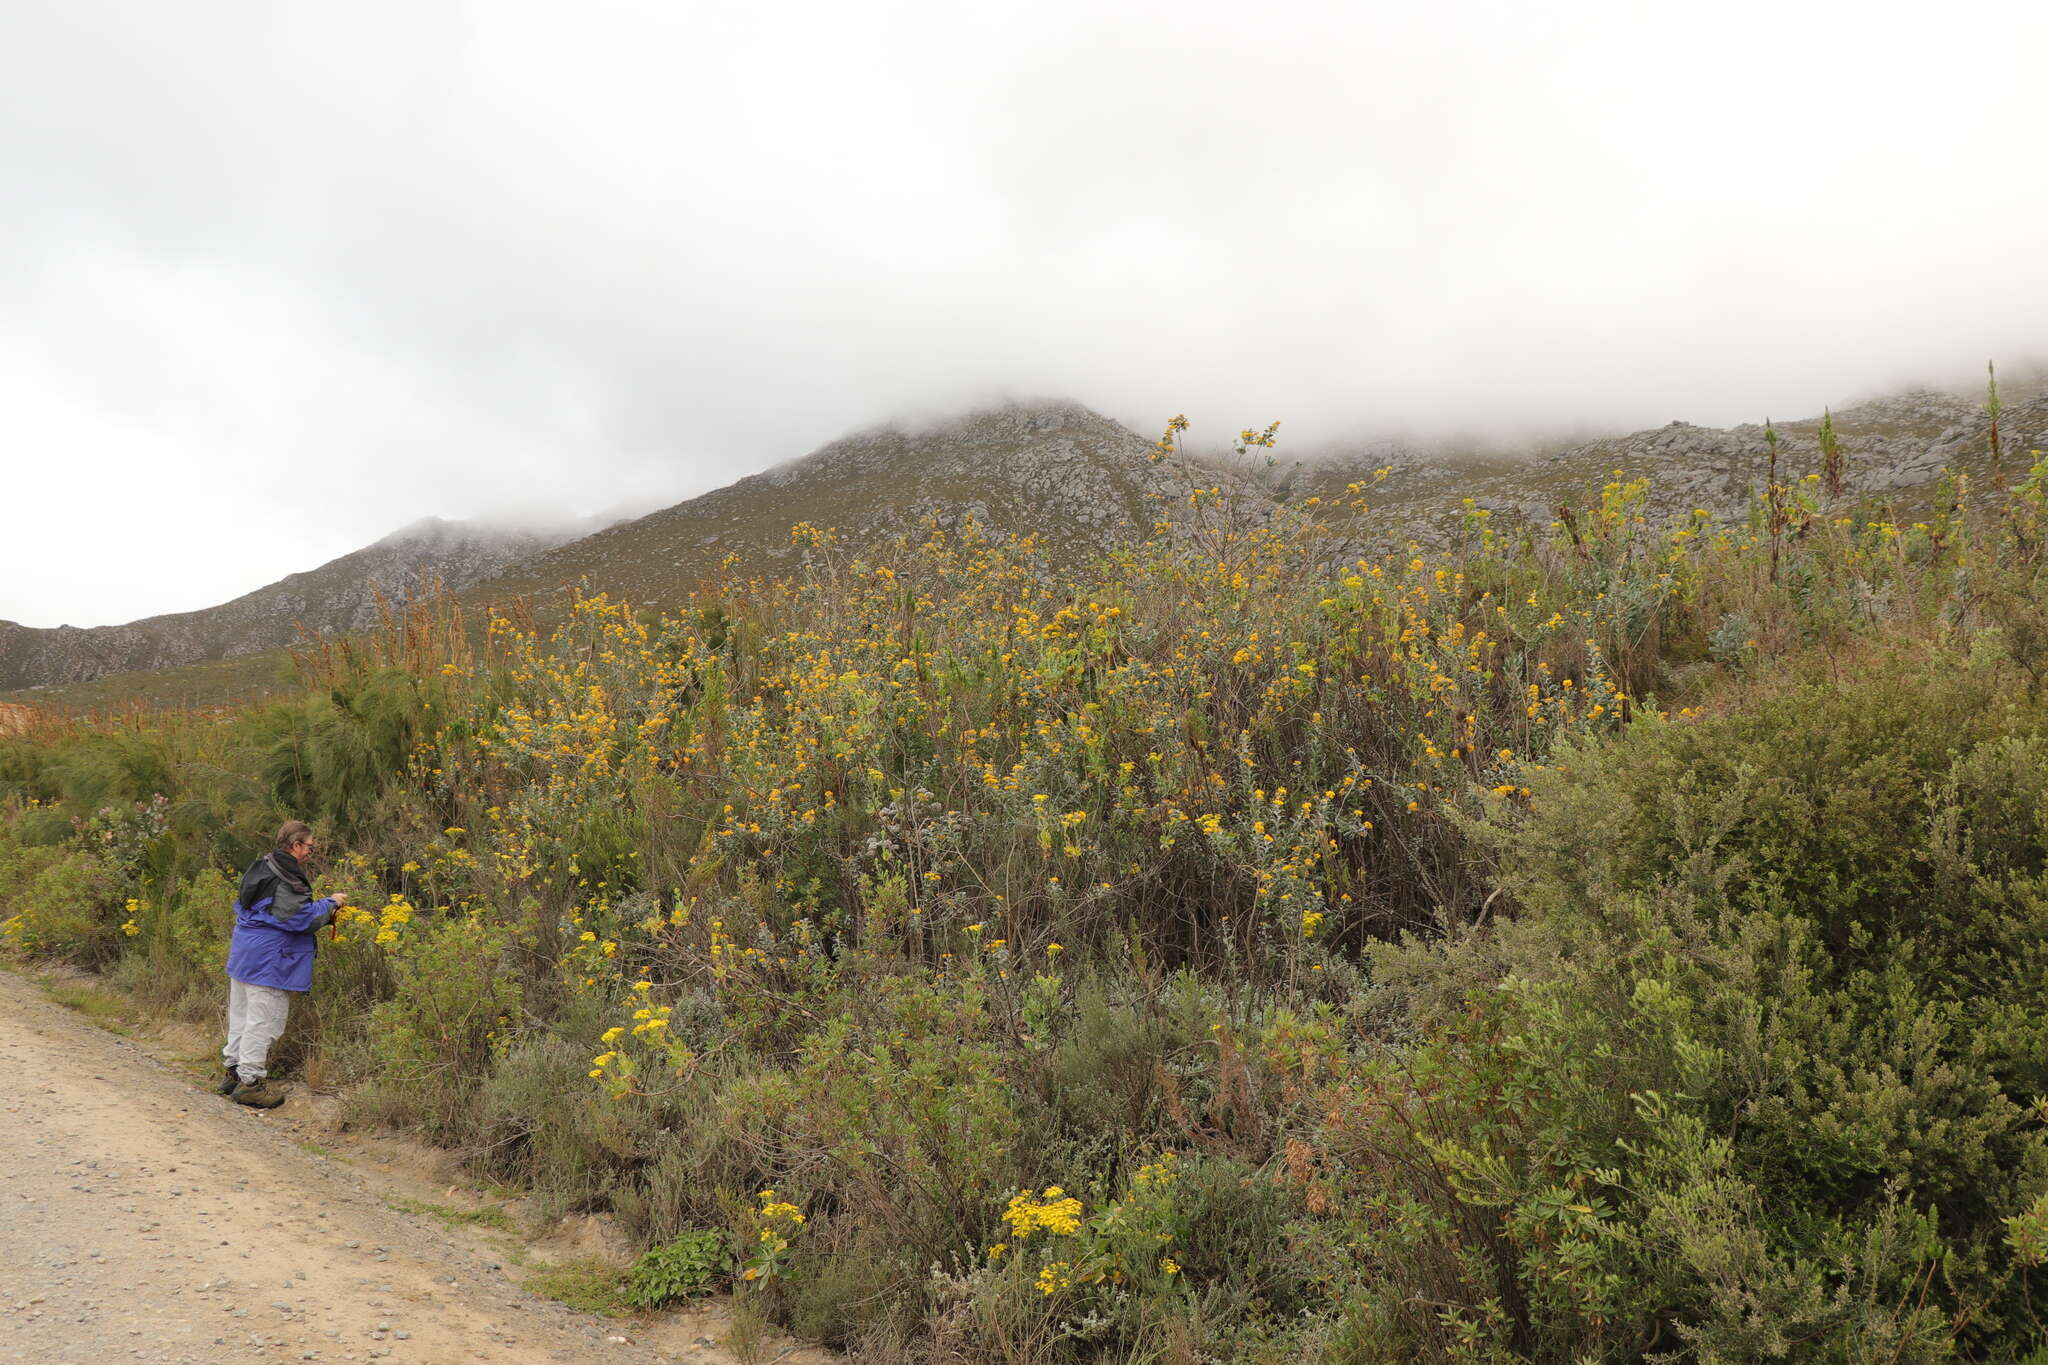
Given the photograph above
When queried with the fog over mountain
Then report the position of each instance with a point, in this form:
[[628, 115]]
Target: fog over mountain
[[275, 279]]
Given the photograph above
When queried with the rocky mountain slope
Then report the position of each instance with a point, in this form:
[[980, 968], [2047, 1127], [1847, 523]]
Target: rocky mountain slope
[[1062, 472], [1055, 470], [1895, 449], [339, 597]]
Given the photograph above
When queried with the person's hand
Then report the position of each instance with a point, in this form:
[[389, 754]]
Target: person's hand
[[340, 898]]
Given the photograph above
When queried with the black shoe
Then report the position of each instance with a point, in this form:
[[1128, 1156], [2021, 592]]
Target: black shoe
[[258, 1095], [228, 1083]]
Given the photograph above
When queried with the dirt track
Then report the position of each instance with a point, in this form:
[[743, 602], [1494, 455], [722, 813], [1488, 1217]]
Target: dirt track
[[144, 1218]]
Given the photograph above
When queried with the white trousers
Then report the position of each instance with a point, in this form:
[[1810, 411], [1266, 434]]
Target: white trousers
[[256, 1016]]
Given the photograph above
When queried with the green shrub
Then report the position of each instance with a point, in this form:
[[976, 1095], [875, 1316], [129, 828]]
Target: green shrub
[[42, 827], [686, 1265], [178, 960], [112, 767], [1108, 1048], [332, 757], [24, 771], [1757, 1056], [541, 1124], [852, 1286], [61, 903], [910, 1120], [433, 1042]]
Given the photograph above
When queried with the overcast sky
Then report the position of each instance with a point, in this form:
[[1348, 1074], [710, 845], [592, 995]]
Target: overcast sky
[[276, 278]]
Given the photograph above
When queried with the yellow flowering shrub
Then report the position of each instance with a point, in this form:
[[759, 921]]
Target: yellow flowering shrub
[[930, 873], [1056, 1212]]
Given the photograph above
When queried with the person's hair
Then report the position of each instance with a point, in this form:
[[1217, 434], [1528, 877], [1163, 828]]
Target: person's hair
[[290, 832]]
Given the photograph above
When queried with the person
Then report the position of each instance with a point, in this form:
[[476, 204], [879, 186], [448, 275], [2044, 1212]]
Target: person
[[270, 959]]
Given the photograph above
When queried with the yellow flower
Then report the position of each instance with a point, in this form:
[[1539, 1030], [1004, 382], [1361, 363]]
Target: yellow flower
[[1053, 1278], [1056, 1212]]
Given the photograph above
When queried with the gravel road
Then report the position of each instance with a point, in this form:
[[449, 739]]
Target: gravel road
[[144, 1218]]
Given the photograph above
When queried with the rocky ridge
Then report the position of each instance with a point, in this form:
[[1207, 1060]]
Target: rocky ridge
[[337, 598], [1055, 470], [1896, 449]]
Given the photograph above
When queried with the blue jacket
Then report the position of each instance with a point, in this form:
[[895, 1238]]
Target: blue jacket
[[276, 921]]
